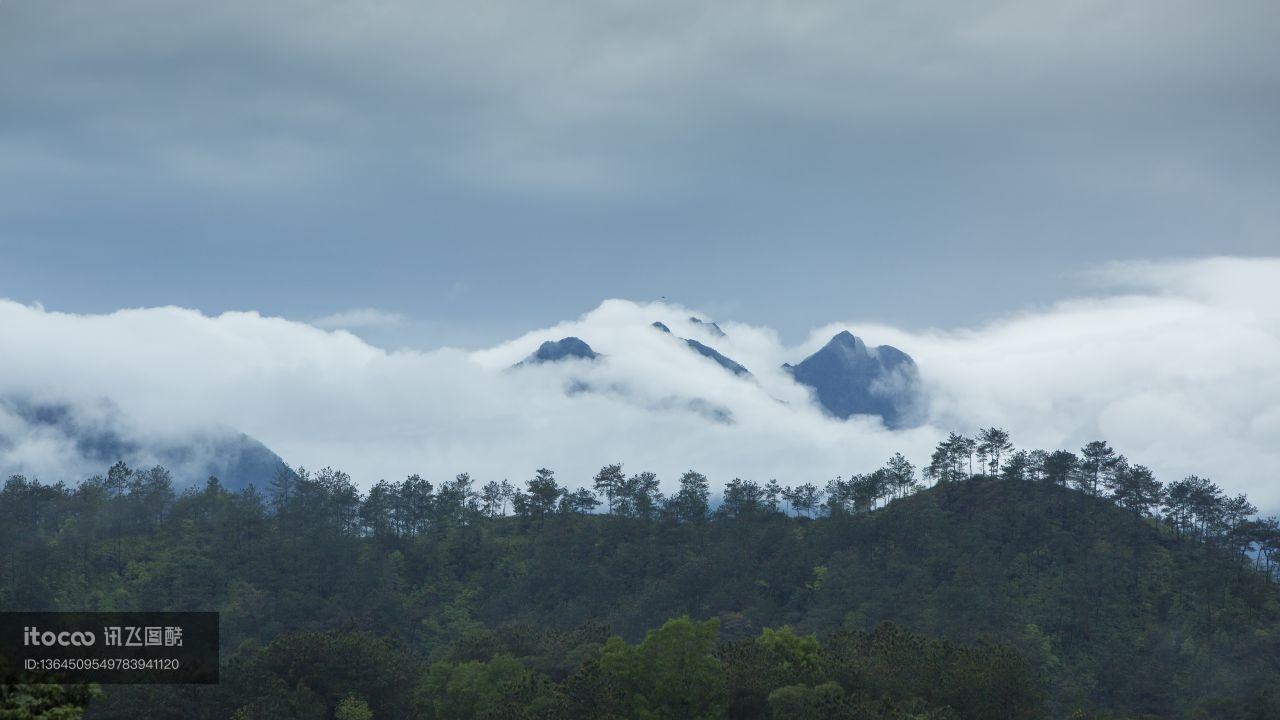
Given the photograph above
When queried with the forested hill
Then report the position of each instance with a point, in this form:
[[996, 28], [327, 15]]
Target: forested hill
[[1111, 609]]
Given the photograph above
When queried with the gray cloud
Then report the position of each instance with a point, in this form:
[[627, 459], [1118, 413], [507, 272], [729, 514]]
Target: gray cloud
[[550, 97], [381, 152]]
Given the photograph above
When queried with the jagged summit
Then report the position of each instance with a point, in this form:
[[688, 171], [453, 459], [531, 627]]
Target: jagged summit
[[846, 339], [710, 327], [706, 350], [849, 378]]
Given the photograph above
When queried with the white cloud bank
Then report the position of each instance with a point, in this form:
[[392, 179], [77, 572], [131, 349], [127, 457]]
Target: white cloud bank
[[1176, 363]]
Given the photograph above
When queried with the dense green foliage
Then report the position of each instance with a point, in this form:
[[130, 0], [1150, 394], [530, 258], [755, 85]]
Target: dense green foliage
[[47, 702], [1047, 583]]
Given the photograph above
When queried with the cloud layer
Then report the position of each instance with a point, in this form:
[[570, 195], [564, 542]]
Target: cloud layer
[[537, 95], [1176, 363]]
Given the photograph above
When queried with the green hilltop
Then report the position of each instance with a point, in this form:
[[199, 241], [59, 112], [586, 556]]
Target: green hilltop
[[1056, 593]]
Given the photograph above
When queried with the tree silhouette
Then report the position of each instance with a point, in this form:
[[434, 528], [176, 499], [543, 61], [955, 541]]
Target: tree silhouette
[[644, 495], [580, 502], [900, 475], [805, 499], [690, 502], [993, 444], [542, 496], [493, 500], [1060, 467], [1097, 460], [608, 484], [1135, 488]]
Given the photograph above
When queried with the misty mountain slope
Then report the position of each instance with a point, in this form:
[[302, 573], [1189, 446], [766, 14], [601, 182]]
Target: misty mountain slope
[[43, 438], [848, 378], [236, 459]]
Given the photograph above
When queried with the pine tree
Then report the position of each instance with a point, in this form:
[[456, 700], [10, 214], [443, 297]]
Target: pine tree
[[579, 502], [608, 483], [543, 494], [690, 503], [901, 475], [1135, 489], [1060, 467], [646, 497], [993, 444], [1097, 461], [806, 498]]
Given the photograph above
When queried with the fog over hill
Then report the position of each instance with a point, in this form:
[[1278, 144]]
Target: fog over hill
[[1176, 364], [69, 442]]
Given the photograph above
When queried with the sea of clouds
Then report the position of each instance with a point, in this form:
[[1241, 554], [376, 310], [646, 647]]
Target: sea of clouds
[[1176, 363]]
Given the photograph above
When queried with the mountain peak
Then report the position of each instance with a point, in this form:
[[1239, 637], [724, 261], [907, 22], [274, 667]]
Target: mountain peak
[[562, 349], [847, 341], [848, 378]]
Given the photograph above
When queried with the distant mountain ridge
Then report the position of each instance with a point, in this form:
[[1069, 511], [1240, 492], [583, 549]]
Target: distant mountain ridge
[[845, 376]]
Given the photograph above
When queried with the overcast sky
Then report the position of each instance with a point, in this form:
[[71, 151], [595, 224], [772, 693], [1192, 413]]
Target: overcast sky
[[458, 172]]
